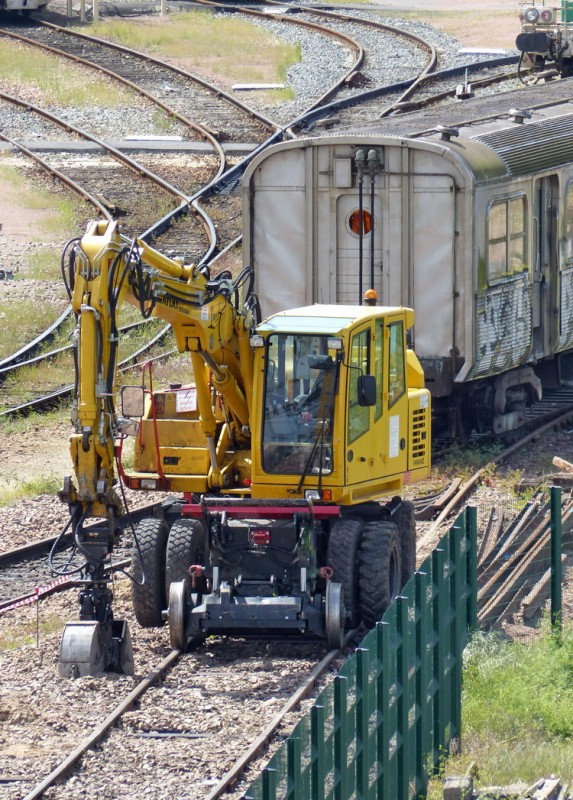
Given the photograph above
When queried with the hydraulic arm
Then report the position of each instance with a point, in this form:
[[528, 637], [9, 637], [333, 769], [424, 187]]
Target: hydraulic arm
[[105, 271]]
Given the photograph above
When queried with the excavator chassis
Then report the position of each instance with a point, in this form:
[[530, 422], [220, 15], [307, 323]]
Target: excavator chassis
[[250, 594]]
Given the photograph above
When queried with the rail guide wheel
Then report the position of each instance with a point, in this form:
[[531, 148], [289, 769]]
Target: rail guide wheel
[[178, 614], [335, 615]]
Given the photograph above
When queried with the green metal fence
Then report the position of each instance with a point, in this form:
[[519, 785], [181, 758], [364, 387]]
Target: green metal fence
[[380, 729]]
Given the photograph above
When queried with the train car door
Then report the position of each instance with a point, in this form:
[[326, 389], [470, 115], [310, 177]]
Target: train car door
[[545, 306]]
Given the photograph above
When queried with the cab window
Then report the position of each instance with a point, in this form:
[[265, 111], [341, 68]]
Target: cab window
[[507, 237], [379, 365], [396, 363], [359, 360]]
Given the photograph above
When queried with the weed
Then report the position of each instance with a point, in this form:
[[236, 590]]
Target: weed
[[516, 698], [65, 87], [47, 484], [22, 635], [214, 46]]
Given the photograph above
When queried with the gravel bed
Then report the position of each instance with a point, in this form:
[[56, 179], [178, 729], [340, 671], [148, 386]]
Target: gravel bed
[[324, 61]]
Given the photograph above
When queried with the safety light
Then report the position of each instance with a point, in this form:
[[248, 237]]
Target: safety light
[[257, 341], [148, 483], [546, 16], [334, 343], [531, 15], [312, 494]]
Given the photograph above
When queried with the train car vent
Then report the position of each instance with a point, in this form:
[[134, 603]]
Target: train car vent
[[533, 147]]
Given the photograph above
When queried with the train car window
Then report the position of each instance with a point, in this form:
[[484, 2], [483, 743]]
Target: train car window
[[507, 237], [396, 364], [360, 222], [517, 234], [358, 416], [569, 222]]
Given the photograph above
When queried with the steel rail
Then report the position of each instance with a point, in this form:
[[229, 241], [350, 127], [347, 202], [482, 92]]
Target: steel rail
[[465, 488], [24, 353], [374, 94], [49, 400], [43, 546], [176, 70], [355, 46], [231, 777], [60, 584], [30, 362], [126, 160], [432, 59], [303, 691], [98, 733], [71, 184], [204, 132]]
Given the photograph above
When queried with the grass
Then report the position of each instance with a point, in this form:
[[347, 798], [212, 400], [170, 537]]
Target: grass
[[43, 75], [24, 321], [54, 216], [47, 484], [517, 699], [22, 635], [222, 47]]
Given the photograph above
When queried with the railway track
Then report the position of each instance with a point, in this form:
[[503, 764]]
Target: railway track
[[127, 67], [210, 700], [128, 729]]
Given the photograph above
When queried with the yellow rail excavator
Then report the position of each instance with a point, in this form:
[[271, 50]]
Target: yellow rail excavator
[[283, 457]]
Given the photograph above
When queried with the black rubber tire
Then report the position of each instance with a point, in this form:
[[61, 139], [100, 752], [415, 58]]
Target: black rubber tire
[[342, 556], [185, 546], [379, 569], [148, 561], [406, 521]]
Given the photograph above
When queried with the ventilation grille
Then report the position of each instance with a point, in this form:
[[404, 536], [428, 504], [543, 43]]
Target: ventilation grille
[[533, 146]]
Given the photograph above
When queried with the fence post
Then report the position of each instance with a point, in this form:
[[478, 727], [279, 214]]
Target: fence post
[[472, 572], [363, 713], [423, 655], [556, 572], [294, 783], [317, 751], [406, 753], [439, 614]]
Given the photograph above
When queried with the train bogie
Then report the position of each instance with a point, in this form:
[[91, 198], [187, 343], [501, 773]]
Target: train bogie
[[472, 227]]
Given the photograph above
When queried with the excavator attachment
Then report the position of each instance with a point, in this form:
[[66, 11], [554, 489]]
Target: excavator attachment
[[86, 649]]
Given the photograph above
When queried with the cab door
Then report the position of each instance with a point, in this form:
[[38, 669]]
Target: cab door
[[376, 436]]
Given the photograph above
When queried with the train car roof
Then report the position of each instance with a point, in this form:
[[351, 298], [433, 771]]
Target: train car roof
[[509, 134]]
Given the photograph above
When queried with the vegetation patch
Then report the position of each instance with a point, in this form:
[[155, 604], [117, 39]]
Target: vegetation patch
[[47, 484], [42, 73], [222, 47], [25, 634], [517, 710]]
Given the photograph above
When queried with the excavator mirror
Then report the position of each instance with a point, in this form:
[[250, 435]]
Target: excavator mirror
[[132, 401], [366, 390]]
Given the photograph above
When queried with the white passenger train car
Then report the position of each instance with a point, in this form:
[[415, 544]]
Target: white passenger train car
[[472, 227]]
